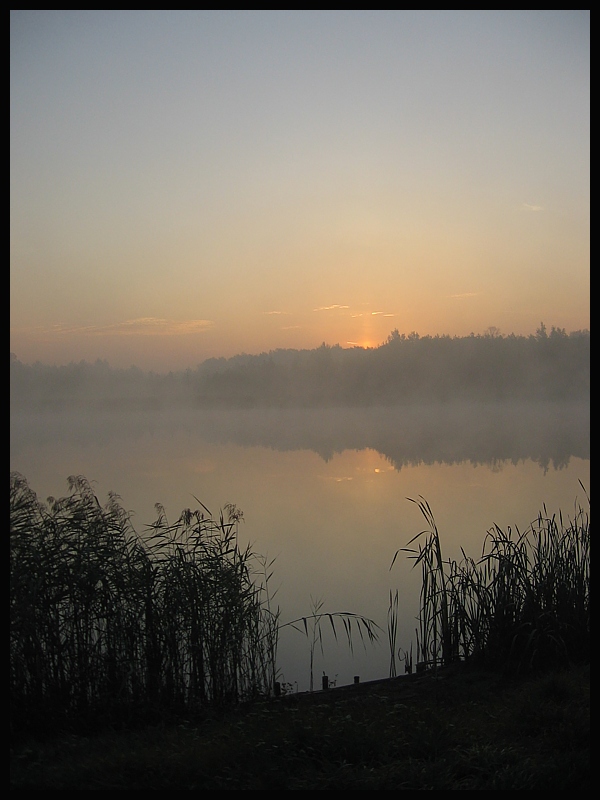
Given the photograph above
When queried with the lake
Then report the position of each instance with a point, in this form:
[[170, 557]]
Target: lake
[[324, 491]]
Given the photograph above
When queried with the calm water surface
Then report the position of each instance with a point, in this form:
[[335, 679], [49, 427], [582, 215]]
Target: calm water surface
[[325, 492]]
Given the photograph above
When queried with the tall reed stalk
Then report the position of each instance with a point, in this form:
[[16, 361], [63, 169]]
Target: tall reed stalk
[[312, 627], [523, 604], [107, 625]]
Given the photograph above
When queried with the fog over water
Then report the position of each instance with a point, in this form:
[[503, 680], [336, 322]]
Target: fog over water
[[548, 433], [300, 262], [320, 449], [324, 490]]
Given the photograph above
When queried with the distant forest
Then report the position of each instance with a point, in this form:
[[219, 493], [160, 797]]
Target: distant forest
[[405, 369]]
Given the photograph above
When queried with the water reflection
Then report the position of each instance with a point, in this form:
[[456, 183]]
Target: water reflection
[[325, 491], [547, 433]]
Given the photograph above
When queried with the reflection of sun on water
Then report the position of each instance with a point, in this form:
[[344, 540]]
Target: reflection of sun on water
[[364, 464]]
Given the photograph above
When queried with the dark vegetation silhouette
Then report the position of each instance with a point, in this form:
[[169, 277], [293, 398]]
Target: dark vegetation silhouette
[[405, 369], [108, 630], [106, 626], [112, 630], [523, 605]]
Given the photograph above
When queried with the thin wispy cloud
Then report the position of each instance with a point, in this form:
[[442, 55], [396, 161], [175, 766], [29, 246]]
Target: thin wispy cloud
[[465, 294], [142, 326], [329, 308], [530, 207], [276, 312]]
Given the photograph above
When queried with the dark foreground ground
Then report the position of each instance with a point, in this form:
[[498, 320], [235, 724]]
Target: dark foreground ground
[[461, 729]]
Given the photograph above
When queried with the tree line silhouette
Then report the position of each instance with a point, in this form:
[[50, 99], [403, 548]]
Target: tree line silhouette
[[404, 369]]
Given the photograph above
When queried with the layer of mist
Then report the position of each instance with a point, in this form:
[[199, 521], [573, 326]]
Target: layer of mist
[[403, 370], [549, 433], [483, 399]]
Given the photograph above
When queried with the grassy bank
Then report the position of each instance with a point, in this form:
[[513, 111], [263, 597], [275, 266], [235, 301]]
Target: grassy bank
[[152, 663], [464, 729]]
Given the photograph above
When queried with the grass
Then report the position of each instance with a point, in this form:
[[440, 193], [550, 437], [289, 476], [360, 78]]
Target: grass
[[130, 661], [463, 729], [106, 627], [525, 604], [109, 629]]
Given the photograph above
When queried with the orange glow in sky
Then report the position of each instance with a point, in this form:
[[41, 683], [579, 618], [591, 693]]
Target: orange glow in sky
[[242, 181]]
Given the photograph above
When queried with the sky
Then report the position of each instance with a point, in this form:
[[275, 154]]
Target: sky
[[190, 184]]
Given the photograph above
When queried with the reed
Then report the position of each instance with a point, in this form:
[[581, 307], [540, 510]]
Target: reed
[[311, 626], [524, 604], [107, 625]]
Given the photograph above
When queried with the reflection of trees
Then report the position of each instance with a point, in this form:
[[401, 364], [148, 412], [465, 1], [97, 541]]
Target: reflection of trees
[[549, 433], [415, 399]]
